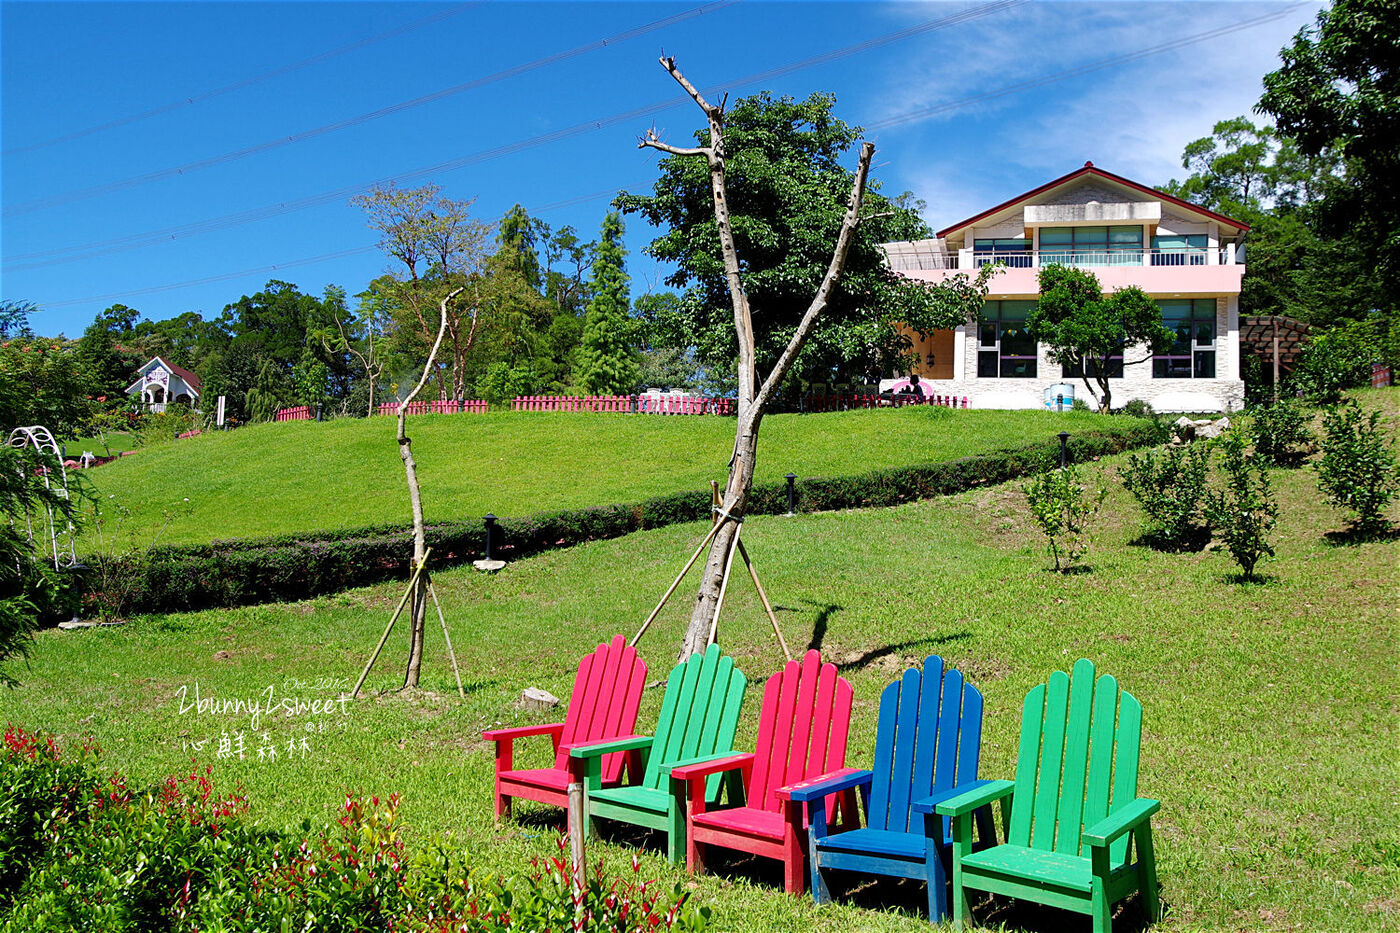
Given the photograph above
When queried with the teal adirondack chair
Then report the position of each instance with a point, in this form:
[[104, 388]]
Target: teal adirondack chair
[[1076, 809], [698, 718]]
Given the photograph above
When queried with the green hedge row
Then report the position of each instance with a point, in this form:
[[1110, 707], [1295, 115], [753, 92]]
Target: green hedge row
[[293, 567]]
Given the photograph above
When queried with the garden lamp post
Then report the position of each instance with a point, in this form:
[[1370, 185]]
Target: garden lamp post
[[791, 492], [490, 533], [1064, 441]]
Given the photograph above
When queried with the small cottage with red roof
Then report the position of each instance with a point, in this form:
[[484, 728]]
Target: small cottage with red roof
[[159, 383]]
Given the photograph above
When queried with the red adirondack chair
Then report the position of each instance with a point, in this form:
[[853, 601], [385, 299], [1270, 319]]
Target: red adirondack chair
[[801, 736], [603, 706]]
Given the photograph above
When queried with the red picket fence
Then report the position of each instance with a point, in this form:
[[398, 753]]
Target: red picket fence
[[815, 403], [471, 406], [608, 403], [299, 413], [641, 404], [685, 405]]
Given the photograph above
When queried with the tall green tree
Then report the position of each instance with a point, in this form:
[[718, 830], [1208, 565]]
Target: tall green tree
[[1339, 89], [607, 360], [787, 189], [1085, 329]]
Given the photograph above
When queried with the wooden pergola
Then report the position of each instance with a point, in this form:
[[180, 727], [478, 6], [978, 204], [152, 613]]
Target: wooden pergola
[[1278, 341]]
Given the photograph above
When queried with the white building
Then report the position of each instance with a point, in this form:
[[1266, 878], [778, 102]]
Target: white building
[[1185, 257], [159, 383]]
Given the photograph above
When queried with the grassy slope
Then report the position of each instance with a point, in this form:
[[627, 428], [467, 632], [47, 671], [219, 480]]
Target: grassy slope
[[1271, 711], [299, 476]]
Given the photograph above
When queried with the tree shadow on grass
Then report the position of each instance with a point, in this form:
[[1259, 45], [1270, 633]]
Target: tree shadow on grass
[[1192, 543], [1352, 537], [1258, 580], [824, 612], [1012, 914], [875, 654], [1071, 571]]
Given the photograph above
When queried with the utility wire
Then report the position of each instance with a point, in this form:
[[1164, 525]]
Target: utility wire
[[308, 261], [909, 116], [134, 181], [249, 82], [44, 258]]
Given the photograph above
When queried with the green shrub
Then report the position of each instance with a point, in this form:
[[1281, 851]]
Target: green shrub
[[1063, 508], [1339, 359], [1280, 432], [79, 850], [1079, 405], [1358, 470], [1244, 512], [1170, 486], [1137, 408]]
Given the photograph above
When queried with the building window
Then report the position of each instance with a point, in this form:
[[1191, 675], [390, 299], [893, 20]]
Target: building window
[[1091, 246], [1193, 354], [1015, 253], [1115, 368], [1004, 347], [1179, 250]]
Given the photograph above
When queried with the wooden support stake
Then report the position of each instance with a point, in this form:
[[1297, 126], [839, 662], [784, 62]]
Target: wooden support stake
[[432, 591], [412, 582], [724, 583], [714, 529], [576, 850], [767, 607]]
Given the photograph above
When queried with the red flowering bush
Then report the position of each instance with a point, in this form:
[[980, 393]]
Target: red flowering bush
[[79, 850]]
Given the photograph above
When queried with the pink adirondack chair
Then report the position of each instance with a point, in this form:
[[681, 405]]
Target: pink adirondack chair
[[801, 737], [603, 706]]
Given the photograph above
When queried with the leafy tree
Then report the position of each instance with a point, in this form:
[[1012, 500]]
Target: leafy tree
[[1358, 470], [1245, 511], [1063, 509], [310, 380], [1085, 328], [31, 591], [269, 392], [1339, 89], [44, 381], [14, 317], [607, 362], [1170, 486], [786, 193]]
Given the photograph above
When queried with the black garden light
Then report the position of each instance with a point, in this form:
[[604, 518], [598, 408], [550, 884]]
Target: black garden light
[[490, 533], [791, 491], [1064, 441]]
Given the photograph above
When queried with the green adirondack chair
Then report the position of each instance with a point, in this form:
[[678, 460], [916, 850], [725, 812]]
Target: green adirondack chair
[[1076, 808], [699, 715]]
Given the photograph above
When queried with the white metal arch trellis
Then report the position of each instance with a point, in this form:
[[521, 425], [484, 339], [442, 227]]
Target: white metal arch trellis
[[41, 439]]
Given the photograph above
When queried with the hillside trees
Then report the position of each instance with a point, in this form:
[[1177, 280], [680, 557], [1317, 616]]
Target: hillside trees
[[607, 362]]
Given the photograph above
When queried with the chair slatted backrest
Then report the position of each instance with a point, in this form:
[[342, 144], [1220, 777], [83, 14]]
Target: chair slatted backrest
[[1078, 760], [928, 739], [802, 729], [699, 714], [603, 706]]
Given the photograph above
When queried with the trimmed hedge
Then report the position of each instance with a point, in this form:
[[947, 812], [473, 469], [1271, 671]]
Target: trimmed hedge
[[294, 567]]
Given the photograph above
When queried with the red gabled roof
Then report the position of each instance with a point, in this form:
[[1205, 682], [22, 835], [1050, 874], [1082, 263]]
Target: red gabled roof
[[190, 378], [1090, 169]]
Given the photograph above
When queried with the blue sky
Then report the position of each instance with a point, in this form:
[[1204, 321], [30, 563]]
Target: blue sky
[[175, 156]]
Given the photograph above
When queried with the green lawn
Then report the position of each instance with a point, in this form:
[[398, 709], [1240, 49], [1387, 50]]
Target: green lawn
[[1270, 710], [301, 476]]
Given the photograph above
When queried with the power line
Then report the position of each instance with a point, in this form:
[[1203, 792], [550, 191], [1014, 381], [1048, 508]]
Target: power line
[[906, 117], [295, 263], [249, 82], [45, 258], [268, 145]]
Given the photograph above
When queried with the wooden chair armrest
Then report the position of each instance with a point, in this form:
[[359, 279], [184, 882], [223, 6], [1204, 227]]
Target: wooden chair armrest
[[690, 768], [988, 792], [824, 784], [597, 749], [927, 804], [1121, 821], [520, 732]]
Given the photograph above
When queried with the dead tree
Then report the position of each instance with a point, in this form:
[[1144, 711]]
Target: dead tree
[[418, 606], [754, 396]]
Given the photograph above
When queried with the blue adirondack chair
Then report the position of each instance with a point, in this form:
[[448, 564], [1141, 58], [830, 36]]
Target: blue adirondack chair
[[926, 749]]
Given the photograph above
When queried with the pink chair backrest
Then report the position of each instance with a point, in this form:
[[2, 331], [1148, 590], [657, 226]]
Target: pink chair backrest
[[802, 729], [607, 693]]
